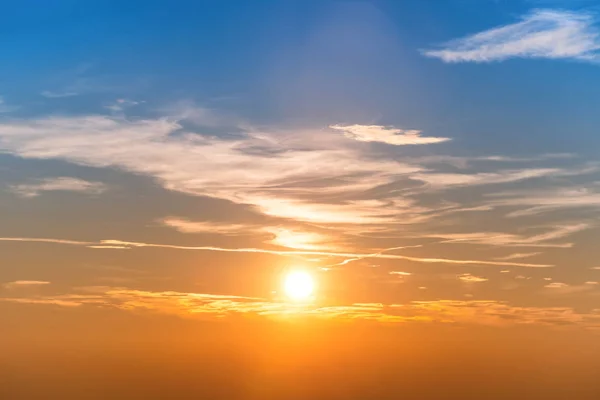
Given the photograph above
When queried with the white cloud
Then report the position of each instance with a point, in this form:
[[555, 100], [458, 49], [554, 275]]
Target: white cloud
[[553, 34], [383, 134], [283, 175], [62, 184]]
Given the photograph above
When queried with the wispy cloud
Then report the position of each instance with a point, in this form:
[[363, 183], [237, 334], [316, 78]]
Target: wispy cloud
[[544, 239], [111, 243], [553, 34], [515, 256], [20, 284], [296, 239], [277, 235], [449, 180], [61, 184], [538, 201], [311, 184], [384, 134], [120, 105], [199, 305], [275, 173], [187, 226], [468, 278], [57, 95], [563, 288]]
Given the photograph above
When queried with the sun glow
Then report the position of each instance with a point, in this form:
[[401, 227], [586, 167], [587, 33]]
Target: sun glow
[[298, 285]]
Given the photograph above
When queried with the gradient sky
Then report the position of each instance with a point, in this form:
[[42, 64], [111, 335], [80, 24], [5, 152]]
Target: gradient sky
[[428, 162]]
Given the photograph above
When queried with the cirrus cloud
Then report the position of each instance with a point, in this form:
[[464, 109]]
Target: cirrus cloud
[[553, 34]]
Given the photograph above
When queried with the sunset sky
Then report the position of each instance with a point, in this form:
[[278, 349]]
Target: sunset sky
[[431, 165]]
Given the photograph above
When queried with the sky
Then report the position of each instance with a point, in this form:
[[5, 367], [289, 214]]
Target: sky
[[431, 165]]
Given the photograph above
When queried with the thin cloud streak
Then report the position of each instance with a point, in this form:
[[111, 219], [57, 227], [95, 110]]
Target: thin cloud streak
[[20, 284], [514, 240], [515, 256], [57, 95], [109, 243], [60, 184]]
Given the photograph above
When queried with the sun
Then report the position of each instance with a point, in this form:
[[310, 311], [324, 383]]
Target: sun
[[298, 285]]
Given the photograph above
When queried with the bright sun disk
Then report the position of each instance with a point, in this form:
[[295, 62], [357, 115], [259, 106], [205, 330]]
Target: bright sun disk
[[298, 285]]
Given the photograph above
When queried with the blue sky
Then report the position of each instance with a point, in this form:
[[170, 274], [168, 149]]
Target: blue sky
[[444, 150], [308, 61]]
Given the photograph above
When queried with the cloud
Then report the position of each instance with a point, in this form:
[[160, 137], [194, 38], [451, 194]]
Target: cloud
[[295, 239], [119, 244], [186, 226], [280, 236], [468, 278], [19, 284], [312, 184], [47, 240], [449, 180], [552, 34], [57, 95], [383, 134], [563, 288], [426, 260], [120, 105], [100, 246], [544, 200], [286, 175], [61, 184], [515, 256], [400, 273], [204, 306], [544, 239]]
